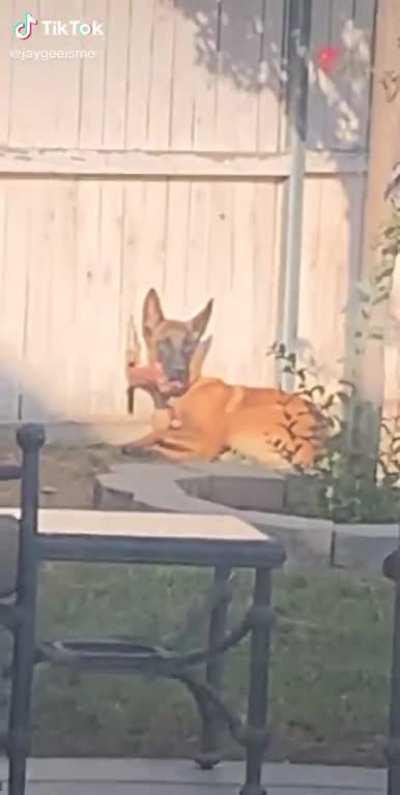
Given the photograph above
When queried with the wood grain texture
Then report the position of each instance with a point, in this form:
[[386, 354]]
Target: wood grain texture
[[116, 72], [267, 282], [320, 85], [332, 237], [238, 63], [14, 263], [161, 163], [45, 92], [93, 81], [271, 92], [6, 69], [66, 331], [123, 163], [160, 96], [204, 76], [339, 99]]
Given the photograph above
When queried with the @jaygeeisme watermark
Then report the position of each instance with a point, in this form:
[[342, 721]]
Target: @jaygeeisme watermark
[[26, 54], [24, 29]]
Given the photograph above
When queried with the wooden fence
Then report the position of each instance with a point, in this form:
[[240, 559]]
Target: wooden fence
[[161, 161]]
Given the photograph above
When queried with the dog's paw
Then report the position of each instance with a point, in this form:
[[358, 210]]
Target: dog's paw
[[140, 453], [128, 449]]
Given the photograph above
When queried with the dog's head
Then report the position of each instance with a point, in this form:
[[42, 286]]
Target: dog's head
[[175, 345]]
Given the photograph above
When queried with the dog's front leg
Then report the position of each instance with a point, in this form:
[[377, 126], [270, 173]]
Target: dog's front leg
[[146, 441], [162, 420]]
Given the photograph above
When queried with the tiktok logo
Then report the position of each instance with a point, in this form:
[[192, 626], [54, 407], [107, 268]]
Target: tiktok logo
[[23, 30]]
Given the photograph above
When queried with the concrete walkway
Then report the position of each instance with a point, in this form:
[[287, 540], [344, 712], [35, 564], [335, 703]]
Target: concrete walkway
[[155, 777]]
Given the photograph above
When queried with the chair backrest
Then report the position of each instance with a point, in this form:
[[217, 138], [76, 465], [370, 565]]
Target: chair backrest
[[16, 536], [9, 546]]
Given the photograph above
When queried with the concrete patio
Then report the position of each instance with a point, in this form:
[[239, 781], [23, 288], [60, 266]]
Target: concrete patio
[[155, 777]]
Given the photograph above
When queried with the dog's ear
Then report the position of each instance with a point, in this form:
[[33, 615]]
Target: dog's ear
[[152, 314], [197, 360], [198, 324]]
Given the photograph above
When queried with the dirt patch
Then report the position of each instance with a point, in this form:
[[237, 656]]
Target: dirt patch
[[66, 474]]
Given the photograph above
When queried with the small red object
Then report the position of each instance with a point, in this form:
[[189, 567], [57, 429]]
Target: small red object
[[146, 374], [327, 58]]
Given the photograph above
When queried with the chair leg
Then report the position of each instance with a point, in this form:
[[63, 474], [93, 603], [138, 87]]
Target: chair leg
[[5, 690], [20, 712], [210, 755], [393, 746], [30, 439], [258, 685]]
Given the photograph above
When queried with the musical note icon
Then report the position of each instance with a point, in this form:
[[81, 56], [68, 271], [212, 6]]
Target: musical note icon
[[24, 29]]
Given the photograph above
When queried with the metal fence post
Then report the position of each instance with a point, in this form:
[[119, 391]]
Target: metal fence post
[[299, 33]]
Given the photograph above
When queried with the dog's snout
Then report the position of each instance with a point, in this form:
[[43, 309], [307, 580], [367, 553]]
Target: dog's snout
[[178, 373], [174, 360]]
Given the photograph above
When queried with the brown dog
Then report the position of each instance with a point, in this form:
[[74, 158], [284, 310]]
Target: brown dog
[[200, 417]]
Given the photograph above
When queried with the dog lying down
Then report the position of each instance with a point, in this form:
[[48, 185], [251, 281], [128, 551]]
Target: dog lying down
[[201, 418]]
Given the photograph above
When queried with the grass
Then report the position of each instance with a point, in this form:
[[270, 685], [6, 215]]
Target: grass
[[329, 678]]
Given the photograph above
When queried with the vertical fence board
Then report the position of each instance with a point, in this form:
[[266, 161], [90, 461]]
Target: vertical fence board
[[23, 116], [206, 77], [317, 103], [160, 88], [45, 92], [196, 289], [340, 132], [239, 60], [92, 82], [272, 86], [106, 360], [364, 17], [177, 240], [115, 89], [50, 343], [184, 73], [267, 274], [331, 237], [13, 258], [62, 342], [244, 367], [7, 43], [139, 72], [219, 283], [39, 399], [87, 254]]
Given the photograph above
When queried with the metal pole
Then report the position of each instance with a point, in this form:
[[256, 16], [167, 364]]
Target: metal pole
[[299, 34]]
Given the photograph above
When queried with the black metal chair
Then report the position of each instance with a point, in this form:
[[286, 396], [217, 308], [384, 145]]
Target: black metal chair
[[27, 548]]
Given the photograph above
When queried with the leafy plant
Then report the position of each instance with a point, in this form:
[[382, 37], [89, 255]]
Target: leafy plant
[[347, 494], [360, 465]]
